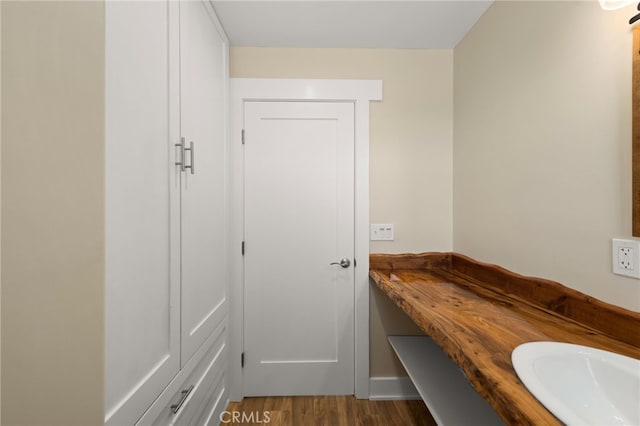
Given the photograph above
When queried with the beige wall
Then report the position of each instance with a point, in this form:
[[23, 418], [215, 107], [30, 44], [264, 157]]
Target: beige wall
[[411, 151], [542, 139], [52, 213]]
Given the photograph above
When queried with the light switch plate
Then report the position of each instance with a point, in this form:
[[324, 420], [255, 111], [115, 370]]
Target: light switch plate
[[382, 232]]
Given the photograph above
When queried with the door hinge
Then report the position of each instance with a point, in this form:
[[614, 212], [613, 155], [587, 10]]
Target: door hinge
[[242, 248], [355, 263], [242, 360], [242, 136]]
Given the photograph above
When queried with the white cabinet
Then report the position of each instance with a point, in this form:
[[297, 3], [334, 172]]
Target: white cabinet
[[165, 81], [203, 65]]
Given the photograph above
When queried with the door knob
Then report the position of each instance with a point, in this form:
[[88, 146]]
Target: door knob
[[344, 262]]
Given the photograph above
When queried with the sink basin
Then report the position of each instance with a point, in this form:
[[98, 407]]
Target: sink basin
[[581, 385]]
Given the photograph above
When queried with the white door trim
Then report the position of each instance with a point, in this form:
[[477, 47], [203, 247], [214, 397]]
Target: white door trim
[[361, 92]]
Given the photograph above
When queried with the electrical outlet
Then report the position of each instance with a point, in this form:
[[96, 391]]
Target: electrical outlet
[[626, 257]]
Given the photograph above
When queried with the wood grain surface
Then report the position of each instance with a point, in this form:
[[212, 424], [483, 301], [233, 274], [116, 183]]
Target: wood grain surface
[[478, 313], [327, 411]]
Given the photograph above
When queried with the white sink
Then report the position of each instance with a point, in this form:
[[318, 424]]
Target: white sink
[[581, 385]]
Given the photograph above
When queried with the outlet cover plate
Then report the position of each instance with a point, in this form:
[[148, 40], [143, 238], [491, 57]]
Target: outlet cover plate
[[626, 257]]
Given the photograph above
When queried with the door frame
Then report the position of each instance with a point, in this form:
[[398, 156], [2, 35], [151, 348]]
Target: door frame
[[360, 92]]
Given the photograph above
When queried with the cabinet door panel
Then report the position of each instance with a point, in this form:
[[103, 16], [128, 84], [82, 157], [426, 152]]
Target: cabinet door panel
[[203, 73], [142, 207]]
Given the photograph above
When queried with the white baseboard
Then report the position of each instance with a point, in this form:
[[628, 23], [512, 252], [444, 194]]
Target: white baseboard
[[392, 388]]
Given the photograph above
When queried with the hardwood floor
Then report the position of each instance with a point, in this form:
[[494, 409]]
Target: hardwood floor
[[326, 411]]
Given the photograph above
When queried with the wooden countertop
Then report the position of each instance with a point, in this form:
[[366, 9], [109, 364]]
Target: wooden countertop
[[478, 313]]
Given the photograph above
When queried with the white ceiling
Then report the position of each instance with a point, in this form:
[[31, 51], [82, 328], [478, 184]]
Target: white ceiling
[[417, 24]]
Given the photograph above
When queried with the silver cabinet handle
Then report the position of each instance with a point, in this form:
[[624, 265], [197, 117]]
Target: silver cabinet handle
[[192, 155], [344, 262], [182, 150], [185, 394]]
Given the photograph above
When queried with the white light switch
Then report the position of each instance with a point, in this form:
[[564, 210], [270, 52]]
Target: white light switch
[[382, 232]]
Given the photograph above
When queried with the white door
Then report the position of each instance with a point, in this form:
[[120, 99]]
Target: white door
[[299, 219], [202, 118]]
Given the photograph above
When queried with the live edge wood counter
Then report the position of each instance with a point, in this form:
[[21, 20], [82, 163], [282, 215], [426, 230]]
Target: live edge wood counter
[[478, 313]]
